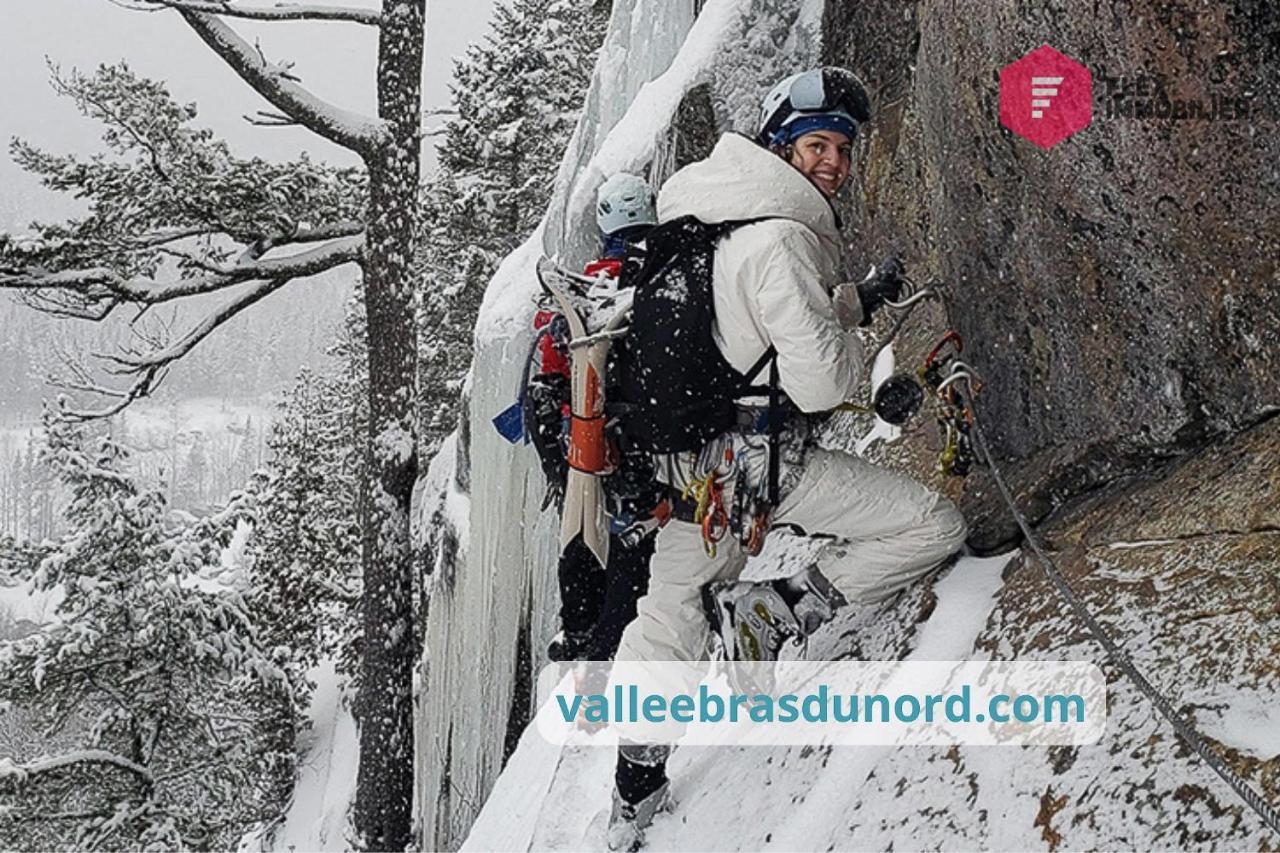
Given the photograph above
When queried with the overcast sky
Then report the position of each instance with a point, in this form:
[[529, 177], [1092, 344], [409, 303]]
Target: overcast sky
[[334, 60]]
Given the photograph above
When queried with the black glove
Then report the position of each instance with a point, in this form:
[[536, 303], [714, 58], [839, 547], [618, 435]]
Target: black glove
[[885, 285]]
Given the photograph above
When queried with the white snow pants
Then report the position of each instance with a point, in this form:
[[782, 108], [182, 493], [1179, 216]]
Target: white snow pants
[[888, 531]]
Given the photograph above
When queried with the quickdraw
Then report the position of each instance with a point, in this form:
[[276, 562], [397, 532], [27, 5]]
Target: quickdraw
[[941, 373], [900, 396], [710, 514]]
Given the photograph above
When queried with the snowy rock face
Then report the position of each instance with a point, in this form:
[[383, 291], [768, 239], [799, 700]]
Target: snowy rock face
[[1181, 569], [962, 200], [1117, 290], [1101, 287]]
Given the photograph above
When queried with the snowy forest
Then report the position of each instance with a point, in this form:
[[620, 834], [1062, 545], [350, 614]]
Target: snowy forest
[[270, 579]]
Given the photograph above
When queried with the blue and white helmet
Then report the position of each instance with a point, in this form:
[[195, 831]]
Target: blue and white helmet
[[625, 201], [826, 98]]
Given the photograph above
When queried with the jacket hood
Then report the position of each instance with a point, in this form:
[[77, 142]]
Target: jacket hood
[[741, 180]]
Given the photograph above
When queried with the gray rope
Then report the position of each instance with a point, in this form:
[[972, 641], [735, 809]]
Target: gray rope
[[904, 310], [1120, 658]]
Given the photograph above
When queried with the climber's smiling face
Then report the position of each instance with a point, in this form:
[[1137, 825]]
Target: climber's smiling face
[[825, 158]]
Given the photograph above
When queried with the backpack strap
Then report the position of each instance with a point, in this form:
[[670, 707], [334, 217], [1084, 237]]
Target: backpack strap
[[775, 433], [720, 230], [774, 390], [768, 359], [770, 355]]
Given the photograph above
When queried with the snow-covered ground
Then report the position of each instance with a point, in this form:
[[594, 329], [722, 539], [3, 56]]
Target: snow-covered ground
[[792, 798], [316, 819], [21, 603], [150, 425]]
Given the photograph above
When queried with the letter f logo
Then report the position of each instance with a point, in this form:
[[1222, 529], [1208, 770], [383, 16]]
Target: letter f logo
[[1046, 96]]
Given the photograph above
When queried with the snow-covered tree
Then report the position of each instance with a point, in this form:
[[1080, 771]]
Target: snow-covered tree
[[192, 476], [28, 497], [516, 96], [166, 722], [305, 548], [173, 215]]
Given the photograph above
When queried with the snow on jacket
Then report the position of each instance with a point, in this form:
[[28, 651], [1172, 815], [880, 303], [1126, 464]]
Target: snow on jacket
[[772, 280]]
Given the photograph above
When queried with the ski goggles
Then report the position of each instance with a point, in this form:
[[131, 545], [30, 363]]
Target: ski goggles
[[830, 90], [799, 124]]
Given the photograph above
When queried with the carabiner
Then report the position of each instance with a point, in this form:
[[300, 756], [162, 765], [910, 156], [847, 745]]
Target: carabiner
[[947, 458], [759, 532], [951, 337], [715, 521]]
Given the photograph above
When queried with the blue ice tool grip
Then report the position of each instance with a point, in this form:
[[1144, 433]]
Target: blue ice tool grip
[[510, 423]]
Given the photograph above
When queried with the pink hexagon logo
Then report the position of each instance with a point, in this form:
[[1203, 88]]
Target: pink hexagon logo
[[1046, 96]]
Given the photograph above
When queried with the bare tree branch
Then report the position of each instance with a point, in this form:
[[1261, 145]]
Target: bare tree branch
[[142, 387], [93, 294], [151, 367], [270, 119], [184, 345], [98, 284], [87, 756], [77, 307], [87, 387], [79, 378], [356, 132], [278, 12]]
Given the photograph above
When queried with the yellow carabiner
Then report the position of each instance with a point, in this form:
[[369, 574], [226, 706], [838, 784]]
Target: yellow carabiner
[[947, 458]]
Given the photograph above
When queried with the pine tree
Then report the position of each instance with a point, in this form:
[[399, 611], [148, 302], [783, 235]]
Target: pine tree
[[517, 97], [305, 549], [173, 722], [191, 479], [174, 197]]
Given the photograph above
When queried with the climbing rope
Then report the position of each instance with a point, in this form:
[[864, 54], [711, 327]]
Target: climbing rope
[[1181, 725]]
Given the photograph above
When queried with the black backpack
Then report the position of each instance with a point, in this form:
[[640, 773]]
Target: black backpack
[[671, 388]]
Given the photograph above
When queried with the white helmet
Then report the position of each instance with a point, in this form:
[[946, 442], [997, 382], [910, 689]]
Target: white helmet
[[827, 98], [625, 201]]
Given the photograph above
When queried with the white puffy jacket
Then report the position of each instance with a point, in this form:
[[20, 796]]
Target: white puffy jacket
[[772, 280]]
